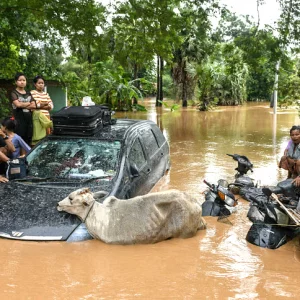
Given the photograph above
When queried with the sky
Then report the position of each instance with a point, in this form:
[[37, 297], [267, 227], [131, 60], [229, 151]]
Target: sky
[[269, 12]]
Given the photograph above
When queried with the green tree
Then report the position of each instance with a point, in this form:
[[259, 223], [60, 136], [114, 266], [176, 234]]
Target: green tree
[[221, 78], [144, 28], [85, 24], [41, 26], [261, 51], [75, 77], [196, 45], [131, 45], [289, 84], [289, 22], [115, 86]]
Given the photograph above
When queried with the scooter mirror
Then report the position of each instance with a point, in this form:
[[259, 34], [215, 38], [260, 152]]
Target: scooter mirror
[[223, 183]]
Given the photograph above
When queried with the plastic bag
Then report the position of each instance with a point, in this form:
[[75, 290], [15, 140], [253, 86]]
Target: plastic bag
[[87, 101]]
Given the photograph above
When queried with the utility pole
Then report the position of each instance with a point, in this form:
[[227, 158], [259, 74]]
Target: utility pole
[[276, 87]]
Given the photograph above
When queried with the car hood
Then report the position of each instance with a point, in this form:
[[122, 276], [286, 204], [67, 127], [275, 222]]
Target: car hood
[[28, 211]]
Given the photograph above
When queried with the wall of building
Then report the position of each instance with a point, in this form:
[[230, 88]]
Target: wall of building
[[58, 95]]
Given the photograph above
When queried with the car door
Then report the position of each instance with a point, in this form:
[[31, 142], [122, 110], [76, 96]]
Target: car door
[[156, 153], [138, 169]]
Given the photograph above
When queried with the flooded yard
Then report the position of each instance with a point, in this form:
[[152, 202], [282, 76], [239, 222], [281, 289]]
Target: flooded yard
[[218, 263]]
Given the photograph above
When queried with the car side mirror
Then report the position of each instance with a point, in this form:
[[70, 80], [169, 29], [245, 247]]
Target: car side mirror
[[134, 172]]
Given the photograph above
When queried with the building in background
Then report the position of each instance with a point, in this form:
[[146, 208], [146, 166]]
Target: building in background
[[57, 93]]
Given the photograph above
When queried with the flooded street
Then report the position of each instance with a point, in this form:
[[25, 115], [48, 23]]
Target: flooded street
[[218, 263]]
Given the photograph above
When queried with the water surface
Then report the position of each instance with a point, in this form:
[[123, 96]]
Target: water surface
[[217, 263]]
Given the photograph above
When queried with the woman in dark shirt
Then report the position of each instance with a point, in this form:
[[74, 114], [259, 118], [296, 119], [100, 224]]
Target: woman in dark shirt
[[22, 104]]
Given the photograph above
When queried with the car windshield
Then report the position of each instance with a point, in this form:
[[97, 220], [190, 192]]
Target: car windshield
[[80, 158]]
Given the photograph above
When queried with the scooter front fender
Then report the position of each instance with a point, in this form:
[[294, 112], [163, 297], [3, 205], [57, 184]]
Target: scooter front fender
[[210, 207], [269, 236]]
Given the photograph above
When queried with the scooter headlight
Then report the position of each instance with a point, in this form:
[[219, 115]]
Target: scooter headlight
[[228, 200], [221, 195]]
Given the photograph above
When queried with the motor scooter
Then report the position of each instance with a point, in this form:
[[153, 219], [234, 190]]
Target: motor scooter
[[274, 223], [242, 180], [248, 189], [218, 200]]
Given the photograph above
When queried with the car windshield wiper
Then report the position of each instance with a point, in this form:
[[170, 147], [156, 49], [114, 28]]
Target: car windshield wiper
[[95, 178], [34, 179], [44, 179], [69, 183]]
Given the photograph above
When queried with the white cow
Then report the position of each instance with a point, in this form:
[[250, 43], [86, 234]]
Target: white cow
[[144, 219]]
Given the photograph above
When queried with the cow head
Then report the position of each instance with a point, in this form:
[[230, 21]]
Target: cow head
[[77, 203]]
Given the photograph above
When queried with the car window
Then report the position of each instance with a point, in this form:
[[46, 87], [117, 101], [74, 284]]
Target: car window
[[149, 141], [136, 155], [74, 158], [158, 135]]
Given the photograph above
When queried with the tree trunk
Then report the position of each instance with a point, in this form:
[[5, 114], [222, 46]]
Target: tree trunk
[[276, 87], [161, 93], [89, 60], [184, 85], [135, 72], [157, 80]]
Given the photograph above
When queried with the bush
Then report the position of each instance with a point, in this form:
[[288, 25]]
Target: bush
[[5, 106], [168, 86]]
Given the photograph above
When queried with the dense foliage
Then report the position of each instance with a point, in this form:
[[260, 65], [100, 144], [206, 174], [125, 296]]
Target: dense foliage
[[120, 53]]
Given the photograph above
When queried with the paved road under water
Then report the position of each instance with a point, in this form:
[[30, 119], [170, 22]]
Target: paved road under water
[[217, 263]]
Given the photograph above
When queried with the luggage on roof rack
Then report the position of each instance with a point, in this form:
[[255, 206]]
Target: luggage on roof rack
[[81, 120]]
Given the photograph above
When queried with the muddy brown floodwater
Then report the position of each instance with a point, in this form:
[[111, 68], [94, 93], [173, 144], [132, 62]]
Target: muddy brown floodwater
[[217, 263]]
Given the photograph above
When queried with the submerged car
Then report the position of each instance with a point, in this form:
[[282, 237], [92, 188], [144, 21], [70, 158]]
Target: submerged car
[[125, 159]]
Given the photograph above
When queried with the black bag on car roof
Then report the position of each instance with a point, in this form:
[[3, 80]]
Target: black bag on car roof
[[81, 120]]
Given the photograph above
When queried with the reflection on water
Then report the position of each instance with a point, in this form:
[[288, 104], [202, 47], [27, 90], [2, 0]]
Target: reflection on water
[[216, 264]]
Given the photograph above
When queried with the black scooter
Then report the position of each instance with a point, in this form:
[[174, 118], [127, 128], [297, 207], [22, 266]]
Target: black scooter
[[242, 180], [218, 200], [275, 217], [272, 225], [269, 207]]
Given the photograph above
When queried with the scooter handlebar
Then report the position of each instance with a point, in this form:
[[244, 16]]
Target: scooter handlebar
[[252, 198], [207, 183]]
